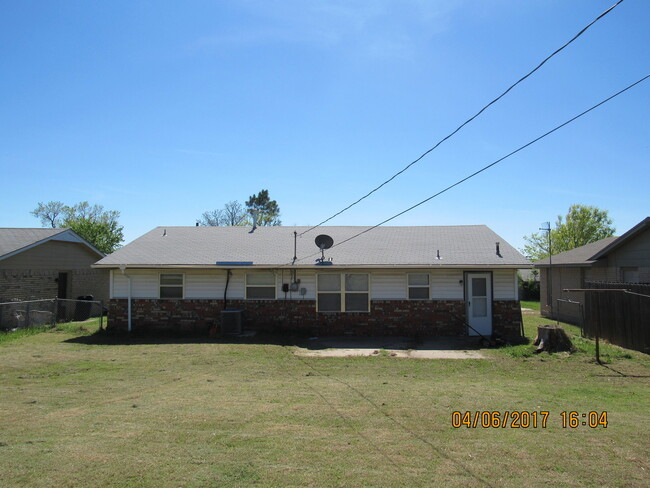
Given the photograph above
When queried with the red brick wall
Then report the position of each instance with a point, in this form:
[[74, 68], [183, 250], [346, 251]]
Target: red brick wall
[[387, 317], [506, 318]]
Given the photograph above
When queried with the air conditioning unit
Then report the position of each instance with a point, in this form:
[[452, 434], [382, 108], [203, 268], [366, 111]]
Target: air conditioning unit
[[231, 321]]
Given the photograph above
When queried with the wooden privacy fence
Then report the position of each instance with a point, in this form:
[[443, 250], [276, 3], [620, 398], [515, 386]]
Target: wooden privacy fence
[[621, 317]]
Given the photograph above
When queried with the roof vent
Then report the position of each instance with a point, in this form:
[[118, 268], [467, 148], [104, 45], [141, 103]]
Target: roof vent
[[498, 250], [438, 254]]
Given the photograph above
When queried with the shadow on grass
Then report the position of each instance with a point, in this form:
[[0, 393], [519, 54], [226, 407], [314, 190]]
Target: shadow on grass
[[619, 374], [104, 338]]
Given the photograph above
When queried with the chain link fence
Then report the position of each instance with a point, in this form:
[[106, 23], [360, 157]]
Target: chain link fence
[[39, 313]]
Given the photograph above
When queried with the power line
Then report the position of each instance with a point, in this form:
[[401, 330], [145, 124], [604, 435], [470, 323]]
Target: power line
[[484, 168], [468, 120]]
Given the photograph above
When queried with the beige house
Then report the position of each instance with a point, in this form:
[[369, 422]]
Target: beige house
[[47, 263], [624, 259], [424, 280]]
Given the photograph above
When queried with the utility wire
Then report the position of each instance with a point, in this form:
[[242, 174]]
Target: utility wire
[[484, 168], [467, 121]]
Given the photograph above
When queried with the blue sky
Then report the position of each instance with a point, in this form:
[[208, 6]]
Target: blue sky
[[164, 109]]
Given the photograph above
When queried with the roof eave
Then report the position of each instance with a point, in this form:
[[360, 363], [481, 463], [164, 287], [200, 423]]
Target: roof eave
[[53, 237], [315, 266], [640, 227]]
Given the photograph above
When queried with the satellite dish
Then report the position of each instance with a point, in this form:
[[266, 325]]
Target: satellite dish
[[324, 241]]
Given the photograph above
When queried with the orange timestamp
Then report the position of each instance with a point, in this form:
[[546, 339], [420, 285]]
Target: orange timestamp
[[524, 419]]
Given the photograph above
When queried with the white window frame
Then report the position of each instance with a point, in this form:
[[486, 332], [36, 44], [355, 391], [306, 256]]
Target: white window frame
[[342, 292], [409, 286], [274, 286], [182, 286]]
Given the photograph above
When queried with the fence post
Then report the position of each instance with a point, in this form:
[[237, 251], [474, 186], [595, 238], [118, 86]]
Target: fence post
[[101, 315], [598, 328], [27, 319]]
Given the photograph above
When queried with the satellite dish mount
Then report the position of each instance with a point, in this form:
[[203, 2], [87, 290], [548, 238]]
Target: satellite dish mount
[[323, 242]]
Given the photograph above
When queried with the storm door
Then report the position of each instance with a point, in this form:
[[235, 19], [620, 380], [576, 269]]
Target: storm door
[[479, 303]]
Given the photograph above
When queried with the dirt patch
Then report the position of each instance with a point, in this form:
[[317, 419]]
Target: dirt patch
[[445, 348]]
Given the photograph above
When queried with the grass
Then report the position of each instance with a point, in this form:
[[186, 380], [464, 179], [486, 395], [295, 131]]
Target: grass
[[83, 410], [87, 326], [531, 305]]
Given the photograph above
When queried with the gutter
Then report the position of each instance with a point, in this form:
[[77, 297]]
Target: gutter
[[313, 266]]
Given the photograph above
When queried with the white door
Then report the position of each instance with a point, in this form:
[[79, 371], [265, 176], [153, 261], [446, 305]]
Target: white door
[[479, 304]]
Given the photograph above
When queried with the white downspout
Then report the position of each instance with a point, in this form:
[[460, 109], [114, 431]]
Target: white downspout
[[123, 269]]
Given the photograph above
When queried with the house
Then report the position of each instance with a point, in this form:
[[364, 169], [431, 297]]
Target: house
[[624, 259], [391, 281], [48, 263]]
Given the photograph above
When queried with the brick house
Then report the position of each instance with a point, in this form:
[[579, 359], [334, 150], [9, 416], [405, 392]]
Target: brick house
[[391, 281], [48, 263], [624, 259]]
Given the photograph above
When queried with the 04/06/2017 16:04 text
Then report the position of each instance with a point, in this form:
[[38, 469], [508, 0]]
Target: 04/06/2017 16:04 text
[[526, 419]]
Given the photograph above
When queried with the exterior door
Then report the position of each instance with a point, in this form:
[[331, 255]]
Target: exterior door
[[62, 292], [479, 303]]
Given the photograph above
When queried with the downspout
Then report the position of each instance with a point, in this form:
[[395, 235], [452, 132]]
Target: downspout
[[225, 291], [128, 307]]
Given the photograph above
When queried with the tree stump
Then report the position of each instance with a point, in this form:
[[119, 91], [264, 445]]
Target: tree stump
[[552, 338]]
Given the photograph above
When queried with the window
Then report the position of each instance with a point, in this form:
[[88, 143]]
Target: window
[[343, 293], [418, 284], [171, 286], [260, 286]]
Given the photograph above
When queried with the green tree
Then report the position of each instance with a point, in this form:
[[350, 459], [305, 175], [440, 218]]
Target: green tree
[[263, 210], [50, 213], [582, 225], [91, 222]]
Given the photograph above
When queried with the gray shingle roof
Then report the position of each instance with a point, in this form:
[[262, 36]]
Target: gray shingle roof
[[15, 240], [472, 245], [580, 256], [629, 235], [12, 240]]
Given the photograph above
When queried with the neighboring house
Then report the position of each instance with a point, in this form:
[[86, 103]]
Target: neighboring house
[[47, 263], [624, 259], [393, 280]]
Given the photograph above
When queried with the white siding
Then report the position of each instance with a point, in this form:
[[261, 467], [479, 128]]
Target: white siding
[[447, 284], [205, 285], [308, 282], [120, 285], [504, 284], [388, 285], [236, 285], [144, 284], [384, 285]]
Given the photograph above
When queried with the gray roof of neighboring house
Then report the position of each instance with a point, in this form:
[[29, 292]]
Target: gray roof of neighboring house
[[580, 256], [472, 245], [17, 240], [630, 234]]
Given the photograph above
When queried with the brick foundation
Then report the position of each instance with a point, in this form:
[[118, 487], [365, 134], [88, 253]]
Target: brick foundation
[[386, 317], [506, 318]]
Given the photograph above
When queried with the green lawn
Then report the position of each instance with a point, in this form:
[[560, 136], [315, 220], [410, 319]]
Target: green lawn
[[531, 305], [83, 412]]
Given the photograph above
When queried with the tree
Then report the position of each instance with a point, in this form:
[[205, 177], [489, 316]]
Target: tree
[[50, 213], [91, 222], [233, 213], [582, 225], [264, 211]]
